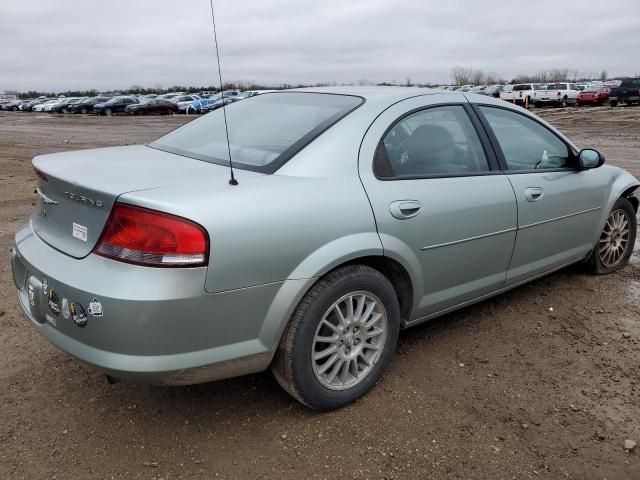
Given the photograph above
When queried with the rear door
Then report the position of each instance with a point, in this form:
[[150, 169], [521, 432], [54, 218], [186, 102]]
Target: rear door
[[441, 205], [558, 204]]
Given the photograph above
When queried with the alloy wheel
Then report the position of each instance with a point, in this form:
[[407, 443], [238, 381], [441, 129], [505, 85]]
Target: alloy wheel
[[614, 240], [349, 340]]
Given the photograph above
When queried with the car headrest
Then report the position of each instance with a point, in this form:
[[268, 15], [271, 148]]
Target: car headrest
[[430, 148]]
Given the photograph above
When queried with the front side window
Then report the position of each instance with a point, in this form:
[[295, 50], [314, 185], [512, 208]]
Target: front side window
[[526, 144], [434, 141]]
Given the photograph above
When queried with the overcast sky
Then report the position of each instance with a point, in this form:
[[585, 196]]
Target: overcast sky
[[82, 44]]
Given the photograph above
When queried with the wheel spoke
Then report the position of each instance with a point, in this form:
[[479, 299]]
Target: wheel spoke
[[360, 304], [364, 360], [322, 339], [323, 353], [338, 366], [374, 318], [325, 366], [367, 312], [349, 302], [371, 346], [341, 319], [330, 325], [374, 332], [353, 368]]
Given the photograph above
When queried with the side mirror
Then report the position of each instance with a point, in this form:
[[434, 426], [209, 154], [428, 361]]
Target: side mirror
[[590, 158]]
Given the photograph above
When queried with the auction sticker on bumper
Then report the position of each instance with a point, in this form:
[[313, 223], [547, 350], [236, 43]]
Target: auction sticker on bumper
[[95, 308], [66, 313], [50, 319], [32, 296], [80, 231], [78, 314]]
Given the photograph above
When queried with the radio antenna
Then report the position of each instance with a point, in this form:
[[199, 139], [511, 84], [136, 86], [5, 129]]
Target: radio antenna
[[232, 180]]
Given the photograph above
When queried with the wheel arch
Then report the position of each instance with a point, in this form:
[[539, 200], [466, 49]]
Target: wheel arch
[[294, 290], [622, 185], [628, 194]]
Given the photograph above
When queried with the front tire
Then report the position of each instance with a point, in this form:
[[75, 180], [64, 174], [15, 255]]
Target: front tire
[[108, 112], [615, 245], [340, 338]]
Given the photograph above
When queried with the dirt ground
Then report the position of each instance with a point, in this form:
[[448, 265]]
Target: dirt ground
[[506, 389]]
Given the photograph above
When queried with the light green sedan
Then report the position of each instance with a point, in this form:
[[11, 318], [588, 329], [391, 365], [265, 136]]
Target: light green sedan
[[356, 212]]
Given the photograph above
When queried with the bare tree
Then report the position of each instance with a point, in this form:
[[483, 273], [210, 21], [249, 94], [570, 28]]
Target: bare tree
[[477, 77], [491, 78], [603, 75], [461, 75]]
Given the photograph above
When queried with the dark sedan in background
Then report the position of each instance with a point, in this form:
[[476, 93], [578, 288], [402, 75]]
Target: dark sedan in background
[[86, 105], [63, 106], [152, 106], [114, 105], [13, 105]]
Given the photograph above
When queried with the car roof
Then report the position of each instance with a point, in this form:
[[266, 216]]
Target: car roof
[[375, 94]]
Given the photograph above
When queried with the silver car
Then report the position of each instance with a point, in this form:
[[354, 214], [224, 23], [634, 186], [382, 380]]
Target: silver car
[[357, 212]]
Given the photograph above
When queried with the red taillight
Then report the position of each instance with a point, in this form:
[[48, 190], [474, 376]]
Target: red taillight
[[148, 237], [40, 175]]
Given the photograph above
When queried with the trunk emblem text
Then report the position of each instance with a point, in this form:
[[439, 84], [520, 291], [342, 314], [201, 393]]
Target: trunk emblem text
[[84, 199]]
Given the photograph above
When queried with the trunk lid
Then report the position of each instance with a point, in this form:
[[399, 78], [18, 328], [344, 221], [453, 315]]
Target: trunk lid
[[81, 187]]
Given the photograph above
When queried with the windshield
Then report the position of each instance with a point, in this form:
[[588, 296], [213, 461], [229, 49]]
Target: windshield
[[264, 131]]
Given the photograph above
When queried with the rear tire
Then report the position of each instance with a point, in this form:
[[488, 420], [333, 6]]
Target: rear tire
[[83, 111], [615, 245], [613, 103], [108, 112], [331, 354]]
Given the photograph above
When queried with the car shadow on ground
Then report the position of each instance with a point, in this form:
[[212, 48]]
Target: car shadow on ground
[[260, 393]]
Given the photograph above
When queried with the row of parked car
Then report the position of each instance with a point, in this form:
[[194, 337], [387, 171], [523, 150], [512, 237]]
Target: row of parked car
[[563, 94], [167, 104], [559, 94]]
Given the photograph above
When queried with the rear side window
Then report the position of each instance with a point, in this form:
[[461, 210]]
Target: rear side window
[[264, 131], [526, 144], [435, 141]]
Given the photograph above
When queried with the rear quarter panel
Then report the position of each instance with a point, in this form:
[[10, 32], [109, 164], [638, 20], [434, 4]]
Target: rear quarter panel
[[310, 216]]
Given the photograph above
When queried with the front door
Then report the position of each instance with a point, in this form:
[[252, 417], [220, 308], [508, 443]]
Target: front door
[[558, 204], [439, 200]]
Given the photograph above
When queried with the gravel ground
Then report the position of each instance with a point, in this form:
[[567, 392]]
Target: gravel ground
[[506, 389]]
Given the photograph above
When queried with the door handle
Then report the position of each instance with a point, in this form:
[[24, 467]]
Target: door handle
[[405, 209], [533, 194]]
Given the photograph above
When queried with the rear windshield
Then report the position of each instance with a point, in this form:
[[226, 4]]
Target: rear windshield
[[264, 131]]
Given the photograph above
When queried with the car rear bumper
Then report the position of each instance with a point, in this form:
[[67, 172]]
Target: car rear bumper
[[157, 325]]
